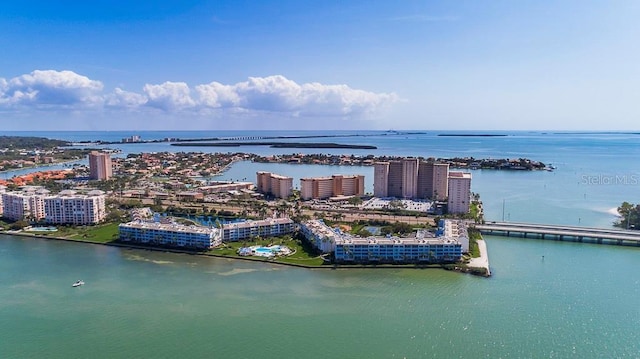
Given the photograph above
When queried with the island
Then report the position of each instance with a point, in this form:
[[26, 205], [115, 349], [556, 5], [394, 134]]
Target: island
[[277, 145]]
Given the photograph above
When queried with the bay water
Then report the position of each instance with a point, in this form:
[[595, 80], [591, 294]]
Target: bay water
[[546, 299]]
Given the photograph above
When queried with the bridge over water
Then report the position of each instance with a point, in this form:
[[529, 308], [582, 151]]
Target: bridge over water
[[561, 233]]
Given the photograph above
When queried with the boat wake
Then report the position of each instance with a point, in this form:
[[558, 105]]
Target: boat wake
[[614, 212]]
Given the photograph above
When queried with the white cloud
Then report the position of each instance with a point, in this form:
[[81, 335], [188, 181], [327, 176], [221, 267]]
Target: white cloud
[[124, 99], [279, 94], [51, 88], [273, 94], [217, 95], [169, 96]]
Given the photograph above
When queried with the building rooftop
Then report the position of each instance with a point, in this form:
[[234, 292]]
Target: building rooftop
[[263, 222], [169, 227]]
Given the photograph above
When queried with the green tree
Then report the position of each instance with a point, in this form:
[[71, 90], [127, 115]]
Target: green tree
[[18, 225], [630, 216], [364, 233]]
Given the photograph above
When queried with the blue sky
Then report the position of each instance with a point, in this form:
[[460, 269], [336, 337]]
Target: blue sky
[[524, 65]]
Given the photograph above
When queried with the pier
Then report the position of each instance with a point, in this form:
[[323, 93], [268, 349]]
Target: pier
[[561, 233]]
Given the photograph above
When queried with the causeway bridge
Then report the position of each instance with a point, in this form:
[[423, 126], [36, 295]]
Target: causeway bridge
[[561, 233]]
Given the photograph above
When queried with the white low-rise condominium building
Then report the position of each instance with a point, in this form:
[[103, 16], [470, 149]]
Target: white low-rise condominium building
[[170, 235], [422, 248], [270, 227]]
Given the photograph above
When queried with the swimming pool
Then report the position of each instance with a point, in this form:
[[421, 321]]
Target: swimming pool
[[263, 250], [269, 252], [41, 229]]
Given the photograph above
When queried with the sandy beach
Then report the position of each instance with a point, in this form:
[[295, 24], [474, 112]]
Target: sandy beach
[[483, 260]]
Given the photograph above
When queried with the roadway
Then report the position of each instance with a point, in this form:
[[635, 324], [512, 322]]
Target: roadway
[[559, 231]]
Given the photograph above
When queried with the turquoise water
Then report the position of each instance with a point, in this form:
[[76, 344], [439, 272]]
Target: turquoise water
[[43, 229], [579, 301], [158, 305]]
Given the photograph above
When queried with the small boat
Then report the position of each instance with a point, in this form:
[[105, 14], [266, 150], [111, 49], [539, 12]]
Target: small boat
[[77, 283]]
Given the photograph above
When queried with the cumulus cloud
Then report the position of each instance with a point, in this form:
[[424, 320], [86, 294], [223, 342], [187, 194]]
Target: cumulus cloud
[[51, 88], [169, 96], [279, 94], [215, 95], [273, 94], [124, 99]]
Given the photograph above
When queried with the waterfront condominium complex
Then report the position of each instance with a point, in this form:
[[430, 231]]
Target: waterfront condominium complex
[[269, 227], [170, 234], [100, 167], [412, 179], [459, 198], [67, 207], [334, 186], [273, 184], [27, 204], [72, 208], [423, 247]]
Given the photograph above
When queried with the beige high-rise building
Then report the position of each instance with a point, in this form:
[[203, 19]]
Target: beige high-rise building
[[316, 188], [263, 182], [336, 185], [380, 179], [273, 184], [100, 167], [459, 199], [395, 179], [306, 188], [281, 186], [440, 181], [433, 180], [351, 185], [425, 179], [410, 178]]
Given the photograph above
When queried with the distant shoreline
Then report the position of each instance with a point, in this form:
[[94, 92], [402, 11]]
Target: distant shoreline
[[471, 135], [251, 137], [277, 145]]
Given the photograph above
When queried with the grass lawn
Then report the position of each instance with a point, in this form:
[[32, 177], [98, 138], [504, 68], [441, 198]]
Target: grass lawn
[[474, 236], [301, 255], [102, 233]]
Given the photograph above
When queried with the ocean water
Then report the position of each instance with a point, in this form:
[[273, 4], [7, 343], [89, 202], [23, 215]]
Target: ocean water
[[578, 301]]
